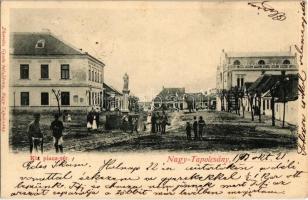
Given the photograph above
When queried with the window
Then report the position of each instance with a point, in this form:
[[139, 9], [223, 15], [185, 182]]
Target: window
[[65, 71], [261, 62], [267, 104], [240, 80], [237, 62], [44, 98], [75, 98], [286, 62], [95, 76], [263, 104], [92, 75], [24, 71], [24, 98], [90, 98], [65, 98], [44, 71], [89, 75], [40, 44]]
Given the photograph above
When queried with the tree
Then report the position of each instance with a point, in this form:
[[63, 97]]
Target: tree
[[273, 91], [241, 95], [58, 98], [250, 100]]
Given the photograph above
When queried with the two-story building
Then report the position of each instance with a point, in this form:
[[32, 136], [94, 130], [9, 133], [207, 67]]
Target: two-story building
[[43, 67], [236, 69]]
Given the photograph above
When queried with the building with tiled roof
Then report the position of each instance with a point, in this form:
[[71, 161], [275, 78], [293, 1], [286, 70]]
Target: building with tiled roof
[[173, 98], [41, 63]]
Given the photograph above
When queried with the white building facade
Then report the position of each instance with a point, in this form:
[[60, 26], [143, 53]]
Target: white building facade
[[43, 67]]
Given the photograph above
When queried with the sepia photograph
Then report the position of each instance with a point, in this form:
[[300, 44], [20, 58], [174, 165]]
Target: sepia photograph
[[153, 99], [113, 80]]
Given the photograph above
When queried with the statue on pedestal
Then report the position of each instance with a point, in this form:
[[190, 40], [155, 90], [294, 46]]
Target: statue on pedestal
[[126, 80], [125, 94]]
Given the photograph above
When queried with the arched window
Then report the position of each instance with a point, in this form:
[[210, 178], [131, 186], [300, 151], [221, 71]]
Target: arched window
[[237, 62], [286, 62], [261, 62]]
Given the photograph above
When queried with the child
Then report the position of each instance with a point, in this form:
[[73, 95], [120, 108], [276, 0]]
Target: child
[[188, 131]]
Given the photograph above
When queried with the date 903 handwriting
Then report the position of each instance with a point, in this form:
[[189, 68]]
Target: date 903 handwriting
[[274, 14]]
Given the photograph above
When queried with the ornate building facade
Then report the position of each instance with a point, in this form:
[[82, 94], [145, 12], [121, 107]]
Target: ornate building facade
[[236, 69]]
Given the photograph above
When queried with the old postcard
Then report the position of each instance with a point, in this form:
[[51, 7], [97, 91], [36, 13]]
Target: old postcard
[[154, 99]]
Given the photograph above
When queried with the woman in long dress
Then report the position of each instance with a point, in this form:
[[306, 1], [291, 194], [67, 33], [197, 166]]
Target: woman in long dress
[[94, 124], [89, 121]]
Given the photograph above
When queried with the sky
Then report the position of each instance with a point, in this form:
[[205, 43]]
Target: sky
[[162, 44]]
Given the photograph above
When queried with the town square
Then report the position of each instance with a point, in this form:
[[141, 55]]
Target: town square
[[143, 81]]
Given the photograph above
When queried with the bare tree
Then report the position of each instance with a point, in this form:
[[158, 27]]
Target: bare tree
[[57, 94]]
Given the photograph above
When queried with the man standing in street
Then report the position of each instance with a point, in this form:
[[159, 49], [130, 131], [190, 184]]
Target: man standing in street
[[201, 124], [35, 135], [153, 122], [164, 123], [195, 128], [57, 128]]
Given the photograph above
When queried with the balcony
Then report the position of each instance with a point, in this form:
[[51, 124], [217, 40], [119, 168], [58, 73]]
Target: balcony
[[266, 66]]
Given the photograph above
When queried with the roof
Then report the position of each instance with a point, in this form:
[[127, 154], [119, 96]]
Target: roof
[[109, 88], [247, 84], [24, 43], [172, 92], [259, 54], [275, 83], [264, 83]]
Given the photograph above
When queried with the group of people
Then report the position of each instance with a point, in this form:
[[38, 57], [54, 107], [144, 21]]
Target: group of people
[[93, 120], [133, 123], [198, 128], [36, 138], [159, 121]]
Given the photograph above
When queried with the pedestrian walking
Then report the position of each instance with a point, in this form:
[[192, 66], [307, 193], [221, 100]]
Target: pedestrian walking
[[35, 135], [57, 128], [94, 123], [131, 123], [89, 121], [140, 122], [164, 123], [195, 128], [69, 118], [97, 116], [124, 123], [158, 122], [153, 122], [188, 131], [135, 124], [201, 126]]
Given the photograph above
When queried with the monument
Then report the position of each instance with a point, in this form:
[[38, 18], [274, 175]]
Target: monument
[[125, 93]]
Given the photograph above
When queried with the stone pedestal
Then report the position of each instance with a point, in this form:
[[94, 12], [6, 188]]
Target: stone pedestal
[[125, 101]]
